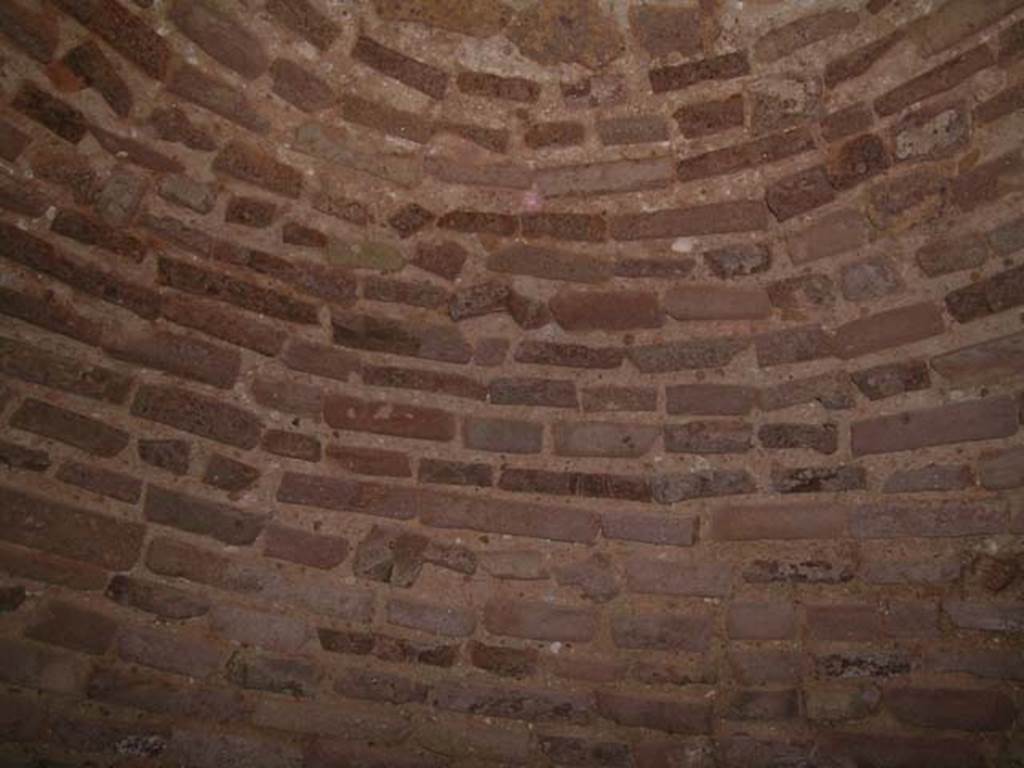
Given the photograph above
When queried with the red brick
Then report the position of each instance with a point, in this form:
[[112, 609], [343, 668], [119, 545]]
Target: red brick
[[135, 152], [369, 461], [177, 355], [1001, 470], [491, 86], [172, 124], [869, 279], [821, 438], [156, 598], [508, 517], [709, 399], [517, 703], [303, 18], [711, 302], [856, 161], [603, 439], [179, 653], [575, 484], [986, 616], [177, 559], [220, 36], [259, 628], [479, 222], [884, 381], [675, 631], [454, 473], [960, 709], [674, 78], [291, 445], [884, 330], [539, 621], [128, 34], [21, 195], [479, 300], [943, 256], [554, 134], [708, 437], [247, 163], [179, 408], [501, 435], [427, 617], [663, 577], [668, 715], [12, 139], [298, 546], [860, 60], [673, 487], [568, 355], [17, 456], [206, 518], [83, 432], [300, 87], [270, 672], [320, 360], [414, 293], [220, 97], [927, 520], [799, 193], [933, 477], [988, 181], [34, 33], [90, 231], [639, 129], [854, 119], [766, 150], [761, 621], [794, 345], [799, 571], [709, 219], [936, 80], [429, 341], [832, 234], [1004, 103], [28, 363], [955, 423], [548, 263], [710, 117], [37, 666], [843, 477], [589, 310], [439, 382], [553, 393], [806, 30], [343, 412], [222, 323], [415, 74], [612, 398], [650, 528], [89, 63], [997, 293], [250, 212], [171, 455], [843, 622], [386, 119], [323, 492], [105, 482], [778, 522]]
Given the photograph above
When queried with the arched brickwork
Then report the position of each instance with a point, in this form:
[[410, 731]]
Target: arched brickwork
[[464, 382]]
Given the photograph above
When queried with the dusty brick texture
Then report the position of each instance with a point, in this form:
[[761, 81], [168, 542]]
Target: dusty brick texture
[[421, 383]]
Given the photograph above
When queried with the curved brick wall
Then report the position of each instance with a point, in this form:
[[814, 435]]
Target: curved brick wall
[[577, 383]]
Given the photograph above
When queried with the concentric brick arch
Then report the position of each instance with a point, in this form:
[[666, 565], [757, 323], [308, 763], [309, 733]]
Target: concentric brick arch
[[560, 383]]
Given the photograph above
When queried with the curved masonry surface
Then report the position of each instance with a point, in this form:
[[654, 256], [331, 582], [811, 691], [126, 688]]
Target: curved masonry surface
[[566, 383]]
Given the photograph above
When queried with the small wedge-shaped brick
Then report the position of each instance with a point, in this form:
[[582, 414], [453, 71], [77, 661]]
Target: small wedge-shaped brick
[[962, 422]]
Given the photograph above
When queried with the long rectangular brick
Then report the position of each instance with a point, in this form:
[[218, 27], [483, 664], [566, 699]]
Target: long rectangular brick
[[30, 363], [69, 531], [892, 328], [223, 323], [415, 74], [217, 95], [936, 80], [961, 422], [178, 355], [201, 516], [179, 408], [957, 20], [88, 434], [518, 703], [738, 157], [384, 418], [778, 521], [691, 579], [508, 517], [983, 363], [125, 32], [536, 620], [677, 77], [606, 178], [710, 219], [928, 519]]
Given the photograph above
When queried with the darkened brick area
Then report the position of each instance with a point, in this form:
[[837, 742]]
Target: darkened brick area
[[370, 397]]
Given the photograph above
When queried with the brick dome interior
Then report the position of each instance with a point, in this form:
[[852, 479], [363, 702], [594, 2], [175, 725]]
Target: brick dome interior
[[421, 383]]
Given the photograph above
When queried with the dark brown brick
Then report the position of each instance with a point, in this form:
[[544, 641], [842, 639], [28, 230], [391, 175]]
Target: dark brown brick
[[611, 311], [376, 334], [178, 355], [795, 345], [21, 195], [988, 181], [514, 518], [936, 80], [520, 704], [674, 78], [454, 472], [250, 212], [709, 219], [857, 160], [821, 438], [891, 328], [479, 222], [501, 435], [503, 661], [156, 598], [88, 434], [91, 231], [423, 77], [799, 193], [220, 36], [962, 709], [105, 482], [50, 112], [61, 529], [303, 18], [172, 124], [554, 134], [386, 119], [663, 714], [12, 142], [29, 363], [34, 33], [892, 379], [200, 415], [225, 288], [300, 87], [291, 445], [565, 226], [769, 149], [171, 455], [96, 70], [842, 477], [128, 34], [410, 219], [344, 412], [860, 60], [551, 393], [708, 437], [539, 621], [802, 32], [491, 86], [686, 355], [848, 121], [14, 456], [440, 382], [639, 129], [218, 96], [229, 475], [72, 626], [369, 461], [212, 318], [998, 293], [206, 518], [710, 117], [587, 485], [247, 163]]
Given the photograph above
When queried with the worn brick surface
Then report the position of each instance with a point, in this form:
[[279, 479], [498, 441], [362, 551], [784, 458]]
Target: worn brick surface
[[422, 382]]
